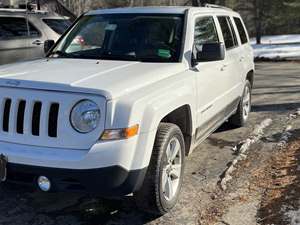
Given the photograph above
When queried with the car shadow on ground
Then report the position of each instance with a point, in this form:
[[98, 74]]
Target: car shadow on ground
[[280, 107], [83, 209]]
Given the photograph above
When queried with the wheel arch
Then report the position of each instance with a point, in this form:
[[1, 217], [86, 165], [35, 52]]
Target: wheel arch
[[182, 117]]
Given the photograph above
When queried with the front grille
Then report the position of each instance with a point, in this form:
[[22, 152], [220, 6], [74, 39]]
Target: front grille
[[40, 117], [30, 117]]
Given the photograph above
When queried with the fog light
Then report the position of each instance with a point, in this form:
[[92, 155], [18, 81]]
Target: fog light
[[44, 183]]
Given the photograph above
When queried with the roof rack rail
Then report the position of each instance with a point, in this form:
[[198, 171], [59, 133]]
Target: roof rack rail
[[22, 10], [217, 6]]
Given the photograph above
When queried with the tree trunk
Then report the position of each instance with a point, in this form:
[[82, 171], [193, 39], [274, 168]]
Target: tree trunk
[[222, 2], [258, 32], [131, 3], [196, 3], [258, 17], [38, 4]]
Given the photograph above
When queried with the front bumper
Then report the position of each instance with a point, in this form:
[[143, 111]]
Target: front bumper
[[130, 154], [107, 168], [108, 181]]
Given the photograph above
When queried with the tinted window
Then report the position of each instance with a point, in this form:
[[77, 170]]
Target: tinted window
[[11, 27], [227, 34], [232, 31], [205, 31], [241, 29], [58, 25]]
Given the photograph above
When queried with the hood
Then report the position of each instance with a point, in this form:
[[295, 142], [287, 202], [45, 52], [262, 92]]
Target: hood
[[108, 78]]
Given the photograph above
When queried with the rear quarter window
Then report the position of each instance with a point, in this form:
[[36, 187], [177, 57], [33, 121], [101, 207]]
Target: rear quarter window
[[228, 32], [241, 30]]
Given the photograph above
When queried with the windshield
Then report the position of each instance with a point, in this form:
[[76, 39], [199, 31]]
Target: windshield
[[136, 37], [58, 25]]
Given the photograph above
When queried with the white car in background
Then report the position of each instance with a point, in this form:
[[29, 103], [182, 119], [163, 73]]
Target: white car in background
[[23, 33]]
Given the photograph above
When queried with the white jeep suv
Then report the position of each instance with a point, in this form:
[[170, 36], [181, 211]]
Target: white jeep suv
[[122, 98]]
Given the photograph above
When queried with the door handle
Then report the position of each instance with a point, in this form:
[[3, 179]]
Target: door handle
[[37, 42], [223, 68]]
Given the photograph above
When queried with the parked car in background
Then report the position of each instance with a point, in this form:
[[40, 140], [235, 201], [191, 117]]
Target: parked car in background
[[23, 32]]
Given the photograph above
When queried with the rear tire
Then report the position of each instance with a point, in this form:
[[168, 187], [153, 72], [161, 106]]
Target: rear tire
[[160, 190], [241, 116]]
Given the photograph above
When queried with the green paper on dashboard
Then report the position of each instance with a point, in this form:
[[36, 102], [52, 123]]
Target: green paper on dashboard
[[164, 53]]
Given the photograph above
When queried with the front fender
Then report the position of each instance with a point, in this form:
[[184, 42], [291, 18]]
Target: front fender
[[147, 108]]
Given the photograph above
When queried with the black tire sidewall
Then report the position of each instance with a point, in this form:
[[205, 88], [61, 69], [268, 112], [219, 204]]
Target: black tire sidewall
[[165, 204]]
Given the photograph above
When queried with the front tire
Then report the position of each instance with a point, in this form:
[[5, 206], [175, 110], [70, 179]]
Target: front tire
[[241, 116], [160, 190]]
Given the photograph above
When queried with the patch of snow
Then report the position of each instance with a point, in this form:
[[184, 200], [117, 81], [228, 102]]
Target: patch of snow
[[285, 137], [277, 47], [284, 51], [242, 148], [278, 39], [286, 134]]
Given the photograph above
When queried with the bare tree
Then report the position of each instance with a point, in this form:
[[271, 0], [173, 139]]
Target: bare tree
[[258, 12]]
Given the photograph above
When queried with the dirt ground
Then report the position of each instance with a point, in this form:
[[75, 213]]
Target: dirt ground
[[244, 176]]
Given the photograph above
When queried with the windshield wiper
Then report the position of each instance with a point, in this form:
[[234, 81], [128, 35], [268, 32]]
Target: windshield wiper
[[125, 57]]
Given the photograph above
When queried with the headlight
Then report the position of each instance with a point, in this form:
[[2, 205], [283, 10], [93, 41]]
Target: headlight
[[85, 116]]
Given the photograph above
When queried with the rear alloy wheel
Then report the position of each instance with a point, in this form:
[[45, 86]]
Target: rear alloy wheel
[[162, 184], [241, 116]]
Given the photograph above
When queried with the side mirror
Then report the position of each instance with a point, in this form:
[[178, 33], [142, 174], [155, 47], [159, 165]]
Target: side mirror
[[48, 45], [211, 52]]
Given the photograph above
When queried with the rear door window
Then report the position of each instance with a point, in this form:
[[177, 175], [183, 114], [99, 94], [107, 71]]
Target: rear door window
[[58, 25], [205, 32], [228, 32], [33, 31], [232, 31], [241, 30]]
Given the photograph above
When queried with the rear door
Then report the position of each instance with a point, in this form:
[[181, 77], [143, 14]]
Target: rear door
[[232, 67], [36, 38], [13, 39]]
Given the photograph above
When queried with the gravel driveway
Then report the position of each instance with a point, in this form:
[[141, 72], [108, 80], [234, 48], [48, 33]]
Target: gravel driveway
[[276, 97]]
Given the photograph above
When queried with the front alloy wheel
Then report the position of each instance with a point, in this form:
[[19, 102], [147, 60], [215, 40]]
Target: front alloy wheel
[[160, 190], [171, 172]]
